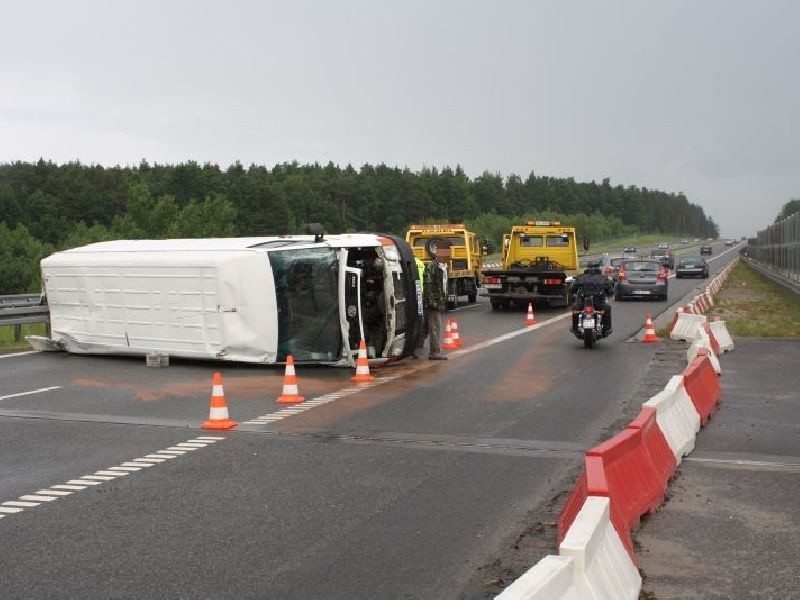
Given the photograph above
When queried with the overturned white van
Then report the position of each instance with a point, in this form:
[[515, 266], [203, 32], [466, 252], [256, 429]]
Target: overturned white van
[[254, 300]]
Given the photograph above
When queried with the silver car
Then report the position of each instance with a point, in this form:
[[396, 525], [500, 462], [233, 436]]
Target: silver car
[[643, 278]]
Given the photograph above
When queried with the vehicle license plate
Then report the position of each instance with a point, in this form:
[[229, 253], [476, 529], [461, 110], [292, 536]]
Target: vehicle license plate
[[689, 266], [588, 323], [641, 292]]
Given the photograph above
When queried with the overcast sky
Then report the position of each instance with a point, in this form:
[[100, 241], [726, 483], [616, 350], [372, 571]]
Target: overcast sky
[[693, 96]]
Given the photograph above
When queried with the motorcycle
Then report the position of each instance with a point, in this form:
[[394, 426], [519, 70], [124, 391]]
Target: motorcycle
[[590, 324]]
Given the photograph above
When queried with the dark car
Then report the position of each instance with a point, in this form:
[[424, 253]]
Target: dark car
[[707, 249], [642, 278], [629, 250], [664, 256], [692, 266]]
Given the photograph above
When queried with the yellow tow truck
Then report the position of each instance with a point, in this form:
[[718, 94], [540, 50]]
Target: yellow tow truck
[[465, 265], [540, 259]]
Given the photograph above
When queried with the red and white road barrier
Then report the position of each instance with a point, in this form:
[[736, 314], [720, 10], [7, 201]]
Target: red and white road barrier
[[676, 417], [687, 327], [721, 333]]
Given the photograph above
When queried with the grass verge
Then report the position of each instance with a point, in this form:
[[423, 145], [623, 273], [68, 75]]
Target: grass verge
[[7, 336], [752, 306]]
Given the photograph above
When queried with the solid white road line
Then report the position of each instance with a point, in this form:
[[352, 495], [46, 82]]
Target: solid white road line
[[26, 353], [39, 391]]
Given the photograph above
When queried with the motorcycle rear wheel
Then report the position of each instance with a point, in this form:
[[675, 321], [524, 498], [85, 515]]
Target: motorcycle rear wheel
[[588, 338]]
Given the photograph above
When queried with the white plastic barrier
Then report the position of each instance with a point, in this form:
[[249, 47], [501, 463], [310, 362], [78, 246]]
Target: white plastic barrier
[[703, 342], [549, 579], [676, 416], [720, 332], [709, 297], [687, 327], [602, 569]]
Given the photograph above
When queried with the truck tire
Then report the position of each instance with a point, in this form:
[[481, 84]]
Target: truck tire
[[431, 245]]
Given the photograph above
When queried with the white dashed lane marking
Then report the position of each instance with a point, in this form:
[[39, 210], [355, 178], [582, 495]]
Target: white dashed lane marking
[[131, 467]]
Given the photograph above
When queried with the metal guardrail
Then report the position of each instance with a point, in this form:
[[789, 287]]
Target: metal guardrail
[[790, 286], [20, 300], [20, 309]]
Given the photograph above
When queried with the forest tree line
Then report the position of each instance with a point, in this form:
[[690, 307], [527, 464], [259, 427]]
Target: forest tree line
[[46, 206]]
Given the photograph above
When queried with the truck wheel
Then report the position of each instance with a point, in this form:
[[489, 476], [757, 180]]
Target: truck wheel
[[497, 305], [432, 244]]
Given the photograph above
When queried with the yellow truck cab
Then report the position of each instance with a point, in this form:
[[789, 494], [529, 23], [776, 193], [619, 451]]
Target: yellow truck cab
[[465, 265], [539, 260]]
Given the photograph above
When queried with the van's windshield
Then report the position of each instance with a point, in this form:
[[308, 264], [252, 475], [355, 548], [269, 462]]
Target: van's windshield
[[306, 289]]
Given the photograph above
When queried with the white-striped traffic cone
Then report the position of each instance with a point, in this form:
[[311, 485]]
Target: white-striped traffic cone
[[362, 365], [218, 413], [290, 393]]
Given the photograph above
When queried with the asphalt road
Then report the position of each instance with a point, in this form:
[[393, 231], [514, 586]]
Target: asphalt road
[[441, 480]]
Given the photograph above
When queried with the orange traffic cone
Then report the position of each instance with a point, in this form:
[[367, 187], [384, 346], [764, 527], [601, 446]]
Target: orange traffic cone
[[448, 337], [649, 330], [362, 365], [531, 319], [290, 393], [218, 414], [454, 333]]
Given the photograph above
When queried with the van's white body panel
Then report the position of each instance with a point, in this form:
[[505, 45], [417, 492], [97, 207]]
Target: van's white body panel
[[192, 298]]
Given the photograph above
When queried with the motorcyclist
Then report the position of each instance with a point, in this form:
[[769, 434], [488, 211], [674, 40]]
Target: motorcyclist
[[593, 283]]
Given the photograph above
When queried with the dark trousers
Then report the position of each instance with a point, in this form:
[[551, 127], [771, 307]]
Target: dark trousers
[[434, 331]]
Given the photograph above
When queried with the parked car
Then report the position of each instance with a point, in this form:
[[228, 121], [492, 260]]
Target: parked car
[[706, 249], [629, 250], [692, 266], [665, 257], [642, 278], [663, 246]]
